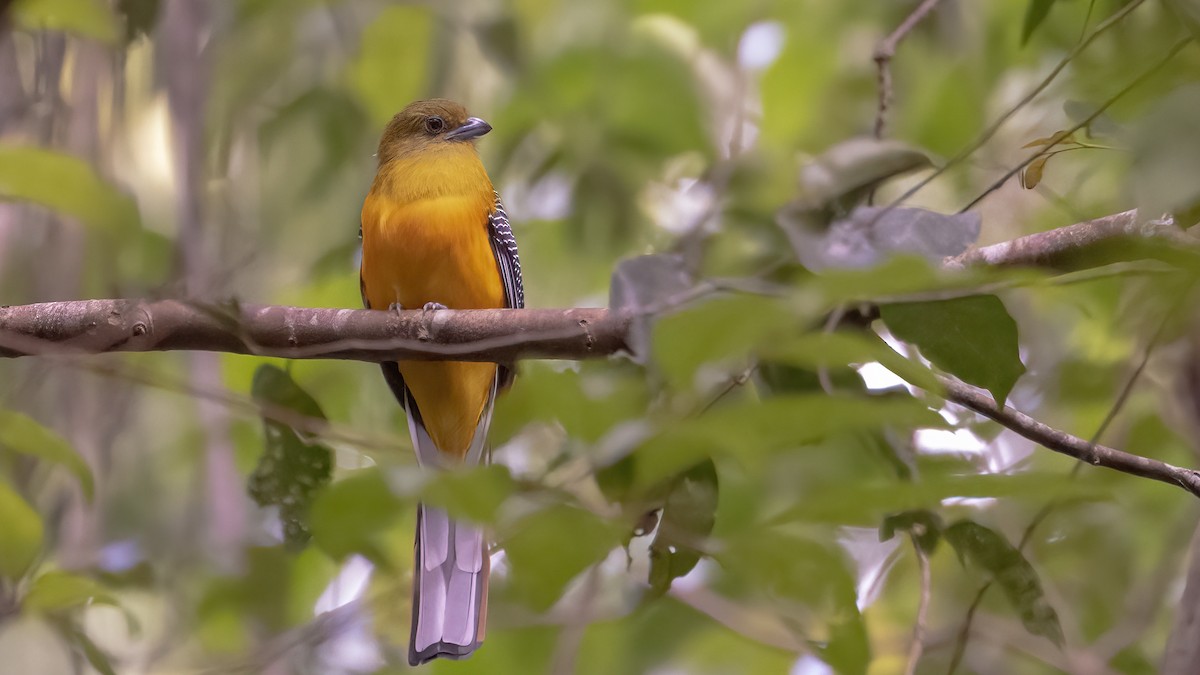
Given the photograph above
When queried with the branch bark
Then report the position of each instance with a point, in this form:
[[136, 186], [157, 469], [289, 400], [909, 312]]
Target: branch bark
[[502, 335], [1067, 444], [1055, 247], [506, 335]]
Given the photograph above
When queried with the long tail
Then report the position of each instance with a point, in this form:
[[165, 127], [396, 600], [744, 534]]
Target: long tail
[[450, 577], [449, 588]]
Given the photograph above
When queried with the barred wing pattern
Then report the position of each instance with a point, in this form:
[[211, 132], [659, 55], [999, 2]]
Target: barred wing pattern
[[504, 245]]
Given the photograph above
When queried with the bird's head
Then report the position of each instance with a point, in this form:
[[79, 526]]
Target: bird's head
[[429, 125]]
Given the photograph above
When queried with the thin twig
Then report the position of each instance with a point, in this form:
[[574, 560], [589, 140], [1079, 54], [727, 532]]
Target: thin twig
[[1008, 114], [1043, 513], [1068, 444], [883, 60], [570, 637], [918, 639], [1146, 74]]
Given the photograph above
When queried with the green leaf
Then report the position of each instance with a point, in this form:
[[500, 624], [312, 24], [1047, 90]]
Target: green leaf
[[398, 35], [20, 433], [274, 386], [291, 469], [94, 655], [923, 524], [867, 501], [57, 590], [897, 275], [687, 519], [987, 550], [846, 171], [973, 338], [74, 635], [475, 494], [88, 18], [550, 547], [848, 649], [351, 515], [587, 402], [844, 349], [21, 531], [749, 428], [65, 184], [782, 566], [1035, 13], [719, 330]]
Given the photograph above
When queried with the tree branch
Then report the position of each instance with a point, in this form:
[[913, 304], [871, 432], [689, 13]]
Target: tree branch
[[1062, 442], [1054, 247], [506, 335], [502, 335], [884, 53]]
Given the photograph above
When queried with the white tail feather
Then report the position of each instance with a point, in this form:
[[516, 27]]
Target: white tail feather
[[449, 583], [451, 571]]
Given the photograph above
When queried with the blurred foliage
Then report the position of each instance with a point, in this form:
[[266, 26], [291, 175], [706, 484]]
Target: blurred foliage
[[291, 470], [736, 497]]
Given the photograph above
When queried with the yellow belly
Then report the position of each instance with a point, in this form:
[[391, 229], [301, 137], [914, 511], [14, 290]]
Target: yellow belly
[[435, 250]]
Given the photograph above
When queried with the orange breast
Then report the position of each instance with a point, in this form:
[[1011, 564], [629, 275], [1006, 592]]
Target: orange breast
[[435, 249]]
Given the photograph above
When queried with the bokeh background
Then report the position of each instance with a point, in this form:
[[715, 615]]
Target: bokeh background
[[220, 150]]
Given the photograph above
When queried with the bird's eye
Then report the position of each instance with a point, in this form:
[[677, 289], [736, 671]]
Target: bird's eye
[[435, 124]]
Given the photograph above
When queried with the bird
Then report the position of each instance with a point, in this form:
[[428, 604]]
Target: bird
[[435, 235]]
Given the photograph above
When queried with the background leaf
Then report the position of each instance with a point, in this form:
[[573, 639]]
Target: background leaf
[[291, 470], [65, 184], [687, 519], [983, 548], [57, 590], [1035, 13], [973, 338], [351, 515], [578, 538], [21, 531], [20, 433], [88, 18]]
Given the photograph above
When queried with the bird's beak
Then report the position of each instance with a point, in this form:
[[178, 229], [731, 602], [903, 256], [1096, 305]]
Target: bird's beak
[[474, 128]]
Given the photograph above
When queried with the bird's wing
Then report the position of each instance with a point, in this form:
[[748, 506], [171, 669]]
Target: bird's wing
[[504, 246], [391, 371]]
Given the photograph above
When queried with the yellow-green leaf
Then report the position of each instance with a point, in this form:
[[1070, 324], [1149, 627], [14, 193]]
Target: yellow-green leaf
[[20, 433], [1032, 175], [88, 18], [1059, 137], [21, 533], [58, 590], [65, 184]]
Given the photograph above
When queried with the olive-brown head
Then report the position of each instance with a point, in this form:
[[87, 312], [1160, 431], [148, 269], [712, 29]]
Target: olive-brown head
[[427, 125]]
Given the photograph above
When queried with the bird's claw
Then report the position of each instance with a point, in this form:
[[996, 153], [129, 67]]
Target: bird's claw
[[433, 307], [396, 307]]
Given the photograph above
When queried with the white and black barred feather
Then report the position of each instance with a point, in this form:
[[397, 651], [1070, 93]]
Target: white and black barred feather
[[504, 245]]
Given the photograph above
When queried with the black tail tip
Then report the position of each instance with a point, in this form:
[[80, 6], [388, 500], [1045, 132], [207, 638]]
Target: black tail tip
[[440, 650]]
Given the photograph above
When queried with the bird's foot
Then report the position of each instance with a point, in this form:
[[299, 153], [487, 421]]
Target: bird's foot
[[433, 307], [396, 307]]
